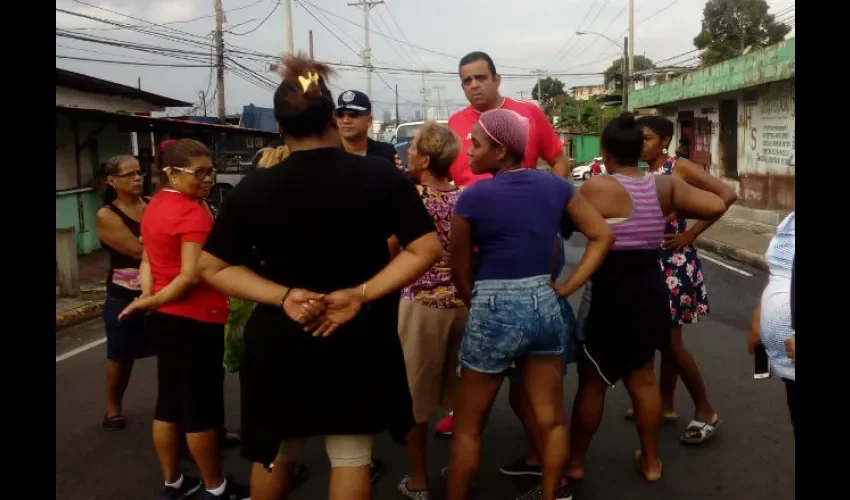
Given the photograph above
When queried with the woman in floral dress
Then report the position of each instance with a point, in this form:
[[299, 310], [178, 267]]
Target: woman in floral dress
[[683, 271]]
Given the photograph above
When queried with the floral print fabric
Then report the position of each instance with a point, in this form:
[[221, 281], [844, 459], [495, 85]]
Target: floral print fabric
[[683, 273], [435, 287]]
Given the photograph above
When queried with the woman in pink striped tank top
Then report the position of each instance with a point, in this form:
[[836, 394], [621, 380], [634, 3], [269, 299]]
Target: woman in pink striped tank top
[[629, 316]]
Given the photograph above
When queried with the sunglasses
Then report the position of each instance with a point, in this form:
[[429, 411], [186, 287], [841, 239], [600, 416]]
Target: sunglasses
[[199, 173], [133, 173], [339, 113]]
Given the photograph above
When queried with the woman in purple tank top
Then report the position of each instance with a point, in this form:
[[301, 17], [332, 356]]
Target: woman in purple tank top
[[629, 316]]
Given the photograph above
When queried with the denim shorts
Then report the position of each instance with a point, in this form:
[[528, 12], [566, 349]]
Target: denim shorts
[[509, 319]]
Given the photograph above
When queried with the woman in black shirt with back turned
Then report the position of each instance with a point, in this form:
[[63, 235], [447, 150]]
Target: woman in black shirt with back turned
[[323, 357]]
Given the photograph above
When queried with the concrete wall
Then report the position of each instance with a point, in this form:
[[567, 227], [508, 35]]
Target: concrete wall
[[766, 146], [72, 97], [76, 201]]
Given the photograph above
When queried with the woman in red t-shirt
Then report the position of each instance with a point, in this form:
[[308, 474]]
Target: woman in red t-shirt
[[188, 323]]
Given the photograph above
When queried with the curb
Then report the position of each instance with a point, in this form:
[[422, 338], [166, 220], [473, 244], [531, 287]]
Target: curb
[[732, 252], [78, 315]]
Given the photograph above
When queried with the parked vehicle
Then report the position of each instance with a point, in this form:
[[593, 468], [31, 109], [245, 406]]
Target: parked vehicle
[[407, 131], [588, 169]]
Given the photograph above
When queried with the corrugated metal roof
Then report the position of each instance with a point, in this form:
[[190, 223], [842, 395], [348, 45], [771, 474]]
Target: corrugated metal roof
[[86, 83], [153, 120]]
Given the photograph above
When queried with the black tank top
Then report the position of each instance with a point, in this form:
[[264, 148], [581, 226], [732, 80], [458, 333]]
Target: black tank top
[[119, 261]]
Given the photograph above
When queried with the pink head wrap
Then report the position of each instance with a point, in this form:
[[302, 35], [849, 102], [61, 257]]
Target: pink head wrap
[[507, 128]]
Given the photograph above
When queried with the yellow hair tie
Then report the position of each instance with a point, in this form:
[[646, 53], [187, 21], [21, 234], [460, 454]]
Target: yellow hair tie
[[306, 81]]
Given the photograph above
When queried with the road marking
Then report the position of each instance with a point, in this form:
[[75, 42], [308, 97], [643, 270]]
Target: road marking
[[80, 350], [727, 266]]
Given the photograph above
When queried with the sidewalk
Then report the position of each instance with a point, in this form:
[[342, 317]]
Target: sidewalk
[[88, 304], [738, 239]]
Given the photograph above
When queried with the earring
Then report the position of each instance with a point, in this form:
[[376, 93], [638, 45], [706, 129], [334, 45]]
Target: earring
[[664, 151]]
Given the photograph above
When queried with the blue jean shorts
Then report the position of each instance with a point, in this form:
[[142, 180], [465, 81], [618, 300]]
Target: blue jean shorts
[[509, 319]]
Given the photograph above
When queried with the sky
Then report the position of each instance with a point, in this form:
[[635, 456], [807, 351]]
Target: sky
[[406, 37]]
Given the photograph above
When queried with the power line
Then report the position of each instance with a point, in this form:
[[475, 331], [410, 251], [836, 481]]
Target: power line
[[573, 35], [400, 31], [330, 30], [255, 28], [182, 21], [130, 63], [647, 18], [603, 32], [128, 26], [424, 49]]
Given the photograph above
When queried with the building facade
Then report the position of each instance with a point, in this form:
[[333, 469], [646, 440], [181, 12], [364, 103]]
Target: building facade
[[585, 92], [736, 119]]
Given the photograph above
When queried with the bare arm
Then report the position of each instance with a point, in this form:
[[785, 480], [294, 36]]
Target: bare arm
[[754, 335], [555, 254], [239, 281], [698, 178], [599, 236], [174, 291], [394, 246], [561, 165], [145, 276], [411, 262], [112, 231], [461, 250], [694, 203]]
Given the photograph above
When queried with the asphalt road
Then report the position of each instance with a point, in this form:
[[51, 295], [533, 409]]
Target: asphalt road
[[752, 457]]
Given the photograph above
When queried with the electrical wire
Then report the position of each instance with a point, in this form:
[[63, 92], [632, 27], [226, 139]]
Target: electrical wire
[[424, 49], [401, 32], [131, 63], [255, 28]]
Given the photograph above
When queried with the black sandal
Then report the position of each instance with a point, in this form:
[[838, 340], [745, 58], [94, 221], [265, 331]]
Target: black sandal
[[114, 423]]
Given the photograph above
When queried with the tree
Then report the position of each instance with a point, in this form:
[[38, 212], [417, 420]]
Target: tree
[[552, 89], [585, 116], [730, 26], [615, 71]]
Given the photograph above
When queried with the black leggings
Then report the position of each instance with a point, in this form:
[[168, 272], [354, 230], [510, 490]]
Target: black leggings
[[791, 395]]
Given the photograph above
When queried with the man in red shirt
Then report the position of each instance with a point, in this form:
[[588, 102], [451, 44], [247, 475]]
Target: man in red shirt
[[481, 85]]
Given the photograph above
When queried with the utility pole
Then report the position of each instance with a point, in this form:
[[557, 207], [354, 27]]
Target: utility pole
[[219, 57], [140, 83], [521, 93], [438, 88], [631, 36], [203, 96], [397, 119], [367, 5], [287, 15], [311, 44], [422, 91], [539, 74], [626, 73]]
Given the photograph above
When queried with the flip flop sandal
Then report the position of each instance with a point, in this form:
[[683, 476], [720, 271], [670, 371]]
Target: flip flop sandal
[[700, 431], [670, 417], [639, 467], [404, 488], [114, 423]]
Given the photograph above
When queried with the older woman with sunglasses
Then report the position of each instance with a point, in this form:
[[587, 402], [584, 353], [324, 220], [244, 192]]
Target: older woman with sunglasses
[[188, 322]]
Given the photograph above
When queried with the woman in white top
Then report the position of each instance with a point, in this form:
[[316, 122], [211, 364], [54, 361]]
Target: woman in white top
[[772, 323]]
